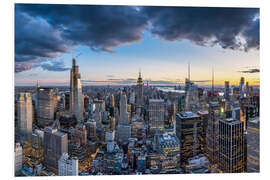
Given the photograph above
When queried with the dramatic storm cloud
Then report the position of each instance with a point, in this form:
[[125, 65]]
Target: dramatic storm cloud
[[48, 31], [206, 26]]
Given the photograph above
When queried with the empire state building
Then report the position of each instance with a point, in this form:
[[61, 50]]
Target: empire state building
[[139, 91], [76, 98]]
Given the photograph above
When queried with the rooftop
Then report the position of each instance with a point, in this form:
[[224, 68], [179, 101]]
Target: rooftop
[[188, 114]]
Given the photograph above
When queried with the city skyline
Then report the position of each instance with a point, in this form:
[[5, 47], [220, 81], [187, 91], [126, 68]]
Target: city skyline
[[114, 56]]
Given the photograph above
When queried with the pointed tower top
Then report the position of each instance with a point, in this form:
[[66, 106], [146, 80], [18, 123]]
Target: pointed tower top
[[37, 84], [73, 61]]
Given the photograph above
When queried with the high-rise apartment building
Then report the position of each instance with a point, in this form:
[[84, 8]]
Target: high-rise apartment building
[[55, 144], [68, 166], [25, 115], [156, 115], [45, 107], [231, 153], [189, 131], [76, 97]]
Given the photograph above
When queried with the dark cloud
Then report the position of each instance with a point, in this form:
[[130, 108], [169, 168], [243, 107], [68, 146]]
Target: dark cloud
[[206, 26], [47, 31], [99, 27], [251, 71], [54, 66]]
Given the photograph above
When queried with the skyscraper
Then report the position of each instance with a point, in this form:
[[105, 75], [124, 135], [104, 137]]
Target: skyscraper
[[76, 97], [91, 129], [123, 128], [124, 120], [25, 115], [139, 91], [241, 86], [45, 107], [204, 120], [212, 133], [156, 115], [189, 131], [227, 91], [55, 144], [18, 158], [80, 135], [231, 156], [68, 166]]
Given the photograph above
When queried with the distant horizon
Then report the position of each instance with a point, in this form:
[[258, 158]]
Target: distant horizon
[[113, 43]]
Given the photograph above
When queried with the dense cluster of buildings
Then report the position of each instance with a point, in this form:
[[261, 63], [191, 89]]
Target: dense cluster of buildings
[[137, 129]]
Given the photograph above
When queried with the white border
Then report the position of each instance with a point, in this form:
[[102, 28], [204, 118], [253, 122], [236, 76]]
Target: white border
[[7, 80]]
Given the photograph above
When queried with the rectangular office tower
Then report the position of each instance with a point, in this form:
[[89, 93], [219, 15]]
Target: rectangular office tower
[[55, 144], [189, 132], [45, 107], [231, 156], [156, 115]]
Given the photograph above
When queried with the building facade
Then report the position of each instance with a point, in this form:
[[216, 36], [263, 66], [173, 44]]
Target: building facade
[[68, 166], [189, 131], [156, 115], [18, 151], [45, 107], [232, 153], [25, 115], [55, 144], [212, 133]]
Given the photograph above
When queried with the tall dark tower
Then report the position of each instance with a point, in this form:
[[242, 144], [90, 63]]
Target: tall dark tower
[[76, 98], [139, 92]]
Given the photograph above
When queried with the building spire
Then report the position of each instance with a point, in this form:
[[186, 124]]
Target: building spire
[[189, 71], [140, 74], [213, 81], [37, 84], [73, 61]]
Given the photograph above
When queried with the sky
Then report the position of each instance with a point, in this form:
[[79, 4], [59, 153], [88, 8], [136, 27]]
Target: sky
[[113, 43]]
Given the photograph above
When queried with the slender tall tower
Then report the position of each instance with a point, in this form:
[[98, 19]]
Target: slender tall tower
[[213, 76], [123, 109], [187, 81], [139, 92], [76, 98]]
